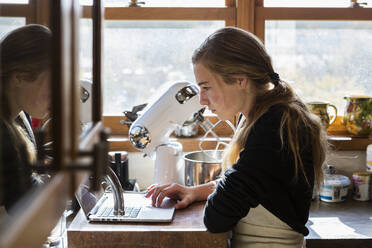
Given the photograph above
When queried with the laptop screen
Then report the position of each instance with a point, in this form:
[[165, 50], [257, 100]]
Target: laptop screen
[[87, 198]]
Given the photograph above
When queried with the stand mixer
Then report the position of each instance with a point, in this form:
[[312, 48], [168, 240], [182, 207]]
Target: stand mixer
[[150, 132]]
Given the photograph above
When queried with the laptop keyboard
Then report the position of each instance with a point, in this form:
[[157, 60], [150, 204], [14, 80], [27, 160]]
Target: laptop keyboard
[[130, 212]]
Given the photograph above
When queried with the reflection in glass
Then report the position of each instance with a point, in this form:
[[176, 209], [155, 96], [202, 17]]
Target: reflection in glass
[[25, 96], [325, 60]]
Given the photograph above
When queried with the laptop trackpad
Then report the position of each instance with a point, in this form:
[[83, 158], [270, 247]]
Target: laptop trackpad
[[148, 213]]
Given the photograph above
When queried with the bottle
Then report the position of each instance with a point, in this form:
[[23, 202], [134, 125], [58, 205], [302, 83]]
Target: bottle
[[369, 158]]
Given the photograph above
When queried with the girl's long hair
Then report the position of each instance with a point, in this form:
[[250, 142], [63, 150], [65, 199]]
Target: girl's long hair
[[230, 52]]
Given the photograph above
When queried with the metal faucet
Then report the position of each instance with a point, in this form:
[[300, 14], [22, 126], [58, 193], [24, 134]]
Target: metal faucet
[[117, 191]]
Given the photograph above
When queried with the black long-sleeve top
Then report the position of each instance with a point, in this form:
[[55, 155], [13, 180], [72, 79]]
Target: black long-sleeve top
[[264, 174], [16, 177]]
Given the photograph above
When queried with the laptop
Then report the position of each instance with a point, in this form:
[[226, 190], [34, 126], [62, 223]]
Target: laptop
[[99, 206]]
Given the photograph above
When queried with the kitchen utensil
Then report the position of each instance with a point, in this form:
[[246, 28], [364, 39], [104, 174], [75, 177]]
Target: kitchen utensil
[[202, 166]]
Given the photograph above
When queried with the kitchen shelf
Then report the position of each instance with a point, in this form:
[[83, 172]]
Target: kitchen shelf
[[337, 143], [348, 142], [122, 143]]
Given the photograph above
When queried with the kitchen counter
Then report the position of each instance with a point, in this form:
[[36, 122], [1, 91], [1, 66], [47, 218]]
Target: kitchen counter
[[344, 224], [187, 230]]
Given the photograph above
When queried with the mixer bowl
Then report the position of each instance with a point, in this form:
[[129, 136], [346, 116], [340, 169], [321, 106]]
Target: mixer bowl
[[202, 166]]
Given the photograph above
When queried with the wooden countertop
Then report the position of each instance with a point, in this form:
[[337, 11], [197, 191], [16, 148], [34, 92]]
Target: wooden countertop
[[344, 224], [186, 230]]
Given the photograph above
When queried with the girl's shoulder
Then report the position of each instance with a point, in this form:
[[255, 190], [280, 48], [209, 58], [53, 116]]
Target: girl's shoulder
[[272, 117]]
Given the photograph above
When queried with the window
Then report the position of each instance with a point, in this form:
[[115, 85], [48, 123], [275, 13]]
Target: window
[[136, 41], [324, 60], [321, 47], [146, 48], [142, 56]]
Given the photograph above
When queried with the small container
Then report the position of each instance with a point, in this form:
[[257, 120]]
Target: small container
[[119, 164], [334, 188], [361, 185], [369, 158]]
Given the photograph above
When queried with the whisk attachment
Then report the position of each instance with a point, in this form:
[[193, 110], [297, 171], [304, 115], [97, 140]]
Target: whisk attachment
[[208, 127]]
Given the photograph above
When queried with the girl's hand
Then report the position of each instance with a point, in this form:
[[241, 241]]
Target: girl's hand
[[184, 195]]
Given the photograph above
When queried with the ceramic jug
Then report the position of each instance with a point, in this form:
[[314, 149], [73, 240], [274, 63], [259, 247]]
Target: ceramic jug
[[321, 110], [358, 115]]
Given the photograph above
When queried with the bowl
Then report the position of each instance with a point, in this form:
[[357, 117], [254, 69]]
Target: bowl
[[202, 166]]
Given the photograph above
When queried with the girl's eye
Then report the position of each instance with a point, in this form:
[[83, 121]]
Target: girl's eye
[[206, 88]]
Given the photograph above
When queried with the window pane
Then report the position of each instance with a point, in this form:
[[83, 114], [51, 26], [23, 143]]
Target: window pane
[[141, 56], [325, 60], [86, 48], [85, 72], [307, 3], [162, 3], [7, 24]]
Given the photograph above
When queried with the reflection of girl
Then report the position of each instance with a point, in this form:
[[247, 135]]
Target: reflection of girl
[[25, 79], [274, 157]]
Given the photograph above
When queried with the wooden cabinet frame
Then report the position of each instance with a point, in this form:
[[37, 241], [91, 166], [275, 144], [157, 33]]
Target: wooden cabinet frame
[[35, 215]]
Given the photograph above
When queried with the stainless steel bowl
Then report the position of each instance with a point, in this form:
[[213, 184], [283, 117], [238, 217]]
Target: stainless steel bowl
[[202, 166]]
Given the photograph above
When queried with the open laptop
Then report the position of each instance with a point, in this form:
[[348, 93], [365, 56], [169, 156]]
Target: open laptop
[[98, 207]]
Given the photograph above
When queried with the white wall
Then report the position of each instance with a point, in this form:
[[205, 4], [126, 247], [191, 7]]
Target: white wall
[[345, 162]]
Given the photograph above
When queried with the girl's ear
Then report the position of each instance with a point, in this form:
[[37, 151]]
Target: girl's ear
[[16, 79], [19, 78], [243, 81]]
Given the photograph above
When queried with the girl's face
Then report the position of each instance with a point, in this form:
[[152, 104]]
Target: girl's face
[[223, 99], [34, 97]]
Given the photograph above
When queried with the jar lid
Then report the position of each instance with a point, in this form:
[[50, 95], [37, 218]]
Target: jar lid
[[336, 180]]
